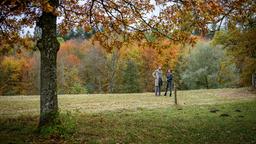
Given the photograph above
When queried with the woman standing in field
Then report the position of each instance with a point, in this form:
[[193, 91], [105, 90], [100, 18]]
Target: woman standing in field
[[169, 82], [157, 74]]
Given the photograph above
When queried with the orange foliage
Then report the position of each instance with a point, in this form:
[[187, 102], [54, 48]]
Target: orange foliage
[[68, 47], [73, 60], [15, 71]]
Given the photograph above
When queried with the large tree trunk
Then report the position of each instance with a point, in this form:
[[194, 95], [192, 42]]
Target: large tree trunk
[[48, 46]]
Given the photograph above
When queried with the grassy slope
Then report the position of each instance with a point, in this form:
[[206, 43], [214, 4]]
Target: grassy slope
[[141, 118]]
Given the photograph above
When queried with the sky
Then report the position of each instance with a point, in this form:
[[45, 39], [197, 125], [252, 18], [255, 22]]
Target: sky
[[30, 30]]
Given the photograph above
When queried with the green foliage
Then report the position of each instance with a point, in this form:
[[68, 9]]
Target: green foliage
[[228, 74], [150, 37], [70, 82], [202, 68], [241, 45], [94, 69], [79, 33], [77, 88], [131, 78], [179, 69], [60, 40], [208, 67]]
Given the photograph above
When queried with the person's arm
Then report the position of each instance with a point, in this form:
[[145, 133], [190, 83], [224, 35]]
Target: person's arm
[[154, 74]]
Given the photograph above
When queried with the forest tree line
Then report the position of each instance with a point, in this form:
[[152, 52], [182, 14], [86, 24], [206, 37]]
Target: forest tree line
[[85, 65]]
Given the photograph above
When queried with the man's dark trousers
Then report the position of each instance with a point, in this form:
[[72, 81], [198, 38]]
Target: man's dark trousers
[[168, 86]]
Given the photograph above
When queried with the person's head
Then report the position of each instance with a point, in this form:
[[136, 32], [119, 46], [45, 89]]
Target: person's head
[[159, 67], [169, 70]]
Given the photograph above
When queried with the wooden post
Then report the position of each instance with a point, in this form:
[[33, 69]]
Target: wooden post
[[175, 95], [254, 80]]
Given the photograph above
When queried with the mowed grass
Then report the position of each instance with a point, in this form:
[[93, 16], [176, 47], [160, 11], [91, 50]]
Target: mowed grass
[[12, 106], [140, 118]]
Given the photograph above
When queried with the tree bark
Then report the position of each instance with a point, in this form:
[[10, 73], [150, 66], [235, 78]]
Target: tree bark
[[254, 80], [206, 82], [175, 95], [48, 46]]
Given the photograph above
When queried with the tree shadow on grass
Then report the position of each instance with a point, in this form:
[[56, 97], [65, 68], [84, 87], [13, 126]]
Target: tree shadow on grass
[[18, 129], [24, 129]]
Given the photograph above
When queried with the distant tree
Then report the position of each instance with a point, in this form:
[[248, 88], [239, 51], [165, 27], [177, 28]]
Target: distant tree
[[15, 76], [71, 82], [179, 70], [17, 64], [131, 78], [240, 44], [112, 67], [95, 69], [205, 64]]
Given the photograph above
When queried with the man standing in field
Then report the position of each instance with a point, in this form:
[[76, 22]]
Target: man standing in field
[[169, 82], [157, 74]]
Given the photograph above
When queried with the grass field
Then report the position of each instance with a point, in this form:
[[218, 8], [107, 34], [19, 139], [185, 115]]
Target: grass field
[[202, 116]]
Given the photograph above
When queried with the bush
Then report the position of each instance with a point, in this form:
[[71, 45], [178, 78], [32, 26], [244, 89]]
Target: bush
[[77, 88], [64, 126]]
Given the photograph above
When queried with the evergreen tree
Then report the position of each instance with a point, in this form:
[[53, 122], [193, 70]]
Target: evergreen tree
[[131, 78]]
